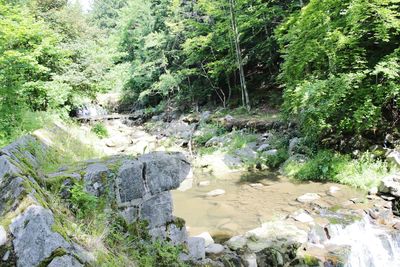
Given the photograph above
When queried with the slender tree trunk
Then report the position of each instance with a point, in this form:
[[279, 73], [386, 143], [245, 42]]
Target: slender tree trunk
[[245, 94]]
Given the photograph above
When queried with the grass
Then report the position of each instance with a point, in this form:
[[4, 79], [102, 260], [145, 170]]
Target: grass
[[364, 172]]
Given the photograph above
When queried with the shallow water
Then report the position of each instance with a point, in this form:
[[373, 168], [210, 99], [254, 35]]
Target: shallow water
[[246, 205]]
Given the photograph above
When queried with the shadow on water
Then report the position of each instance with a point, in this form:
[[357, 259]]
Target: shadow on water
[[254, 177]]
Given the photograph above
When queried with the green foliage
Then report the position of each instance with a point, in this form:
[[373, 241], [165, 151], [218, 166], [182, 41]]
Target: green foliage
[[342, 66], [100, 130], [83, 203], [208, 131], [324, 166]]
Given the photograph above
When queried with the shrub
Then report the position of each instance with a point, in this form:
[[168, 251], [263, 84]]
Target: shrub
[[83, 204], [324, 166], [100, 130]]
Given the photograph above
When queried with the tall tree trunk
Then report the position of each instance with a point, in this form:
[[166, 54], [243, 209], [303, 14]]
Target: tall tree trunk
[[245, 94]]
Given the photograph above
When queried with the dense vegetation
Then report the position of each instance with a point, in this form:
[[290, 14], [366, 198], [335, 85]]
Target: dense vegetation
[[334, 64]]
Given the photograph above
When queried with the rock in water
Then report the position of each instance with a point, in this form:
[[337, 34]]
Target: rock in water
[[216, 192], [308, 198]]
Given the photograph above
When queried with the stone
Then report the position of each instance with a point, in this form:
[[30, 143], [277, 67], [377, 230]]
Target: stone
[[216, 141], [6, 256], [274, 234], [65, 261], [110, 143], [250, 260], [294, 145], [185, 185], [390, 185], [236, 242], [271, 152], [157, 210], [215, 249], [95, 178], [333, 190], [205, 116], [396, 226], [308, 197], [204, 183], [256, 185], [246, 153], [34, 241], [302, 216], [216, 192], [3, 236], [232, 161], [164, 171], [263, 147], [207, 238], [373, 191], [196, 249], [394, 157], [7, 168], [129, 182]]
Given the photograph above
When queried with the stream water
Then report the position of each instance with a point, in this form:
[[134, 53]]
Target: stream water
[[369, 245], [250, 200]]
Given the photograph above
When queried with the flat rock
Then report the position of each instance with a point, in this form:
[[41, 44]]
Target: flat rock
[[308, 197], [216, 192], [236, 242], [196, 248], [302, 216], [390, 185], [215, 249]]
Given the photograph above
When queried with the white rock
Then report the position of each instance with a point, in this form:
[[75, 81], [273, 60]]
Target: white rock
[[373, 190], [303, 217], [394, 157], [271, 152], [204, 183], [216, 192], [308, 198], [215, 249], [207, 238], [333, 189], [250, 259], [3, 236], [186, 185]]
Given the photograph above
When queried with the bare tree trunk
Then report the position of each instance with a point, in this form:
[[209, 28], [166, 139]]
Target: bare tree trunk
[[245, 94]]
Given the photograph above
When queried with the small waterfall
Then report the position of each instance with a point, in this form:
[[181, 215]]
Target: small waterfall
[[370, 245]]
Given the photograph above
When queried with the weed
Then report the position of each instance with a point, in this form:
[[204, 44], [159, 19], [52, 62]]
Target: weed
[[100, 130], [83, 204]]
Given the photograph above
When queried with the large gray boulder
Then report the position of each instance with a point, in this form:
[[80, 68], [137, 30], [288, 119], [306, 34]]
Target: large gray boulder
[[7, 169], [157, 210], [34, 240], [65, 261]]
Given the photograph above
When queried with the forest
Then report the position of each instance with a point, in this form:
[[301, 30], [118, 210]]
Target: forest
[[216, 117], [332, 66]]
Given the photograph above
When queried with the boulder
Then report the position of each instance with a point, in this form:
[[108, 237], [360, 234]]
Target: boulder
[[7, 168], [196, 249], [390, 185], [271, 152], [157, 210], [246, 153], [34, 240], [294, 144], [302, 216], [263, 147], [216, 141]]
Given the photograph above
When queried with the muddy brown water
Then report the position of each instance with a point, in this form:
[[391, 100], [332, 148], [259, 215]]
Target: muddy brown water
[[247, 204]]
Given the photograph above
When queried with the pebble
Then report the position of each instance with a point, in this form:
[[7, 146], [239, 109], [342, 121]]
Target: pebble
[[216, 192], [204, 183], [257, 185]]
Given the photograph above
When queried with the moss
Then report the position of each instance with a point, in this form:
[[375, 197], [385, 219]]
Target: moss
[[59, 252], [27, 201], [310, 260]]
